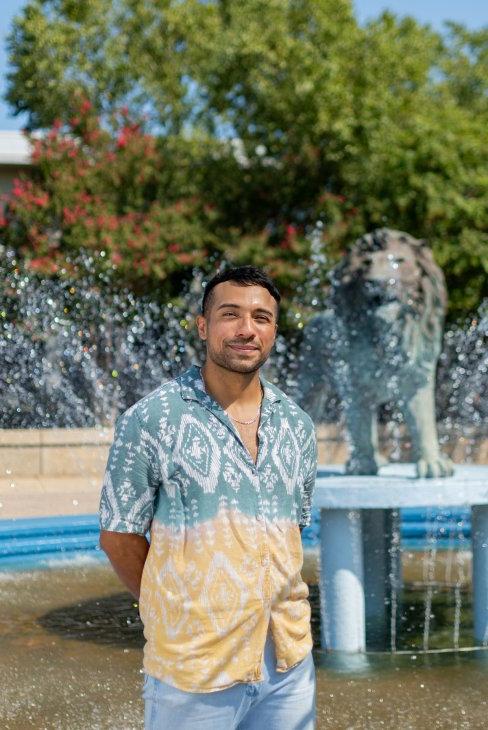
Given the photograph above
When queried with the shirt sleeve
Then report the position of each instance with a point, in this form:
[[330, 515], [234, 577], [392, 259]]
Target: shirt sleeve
[[129, 488], [309, 485]]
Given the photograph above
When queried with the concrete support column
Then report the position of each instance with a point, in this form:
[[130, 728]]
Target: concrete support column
[[342, 604], [382, 576], [479, 531]]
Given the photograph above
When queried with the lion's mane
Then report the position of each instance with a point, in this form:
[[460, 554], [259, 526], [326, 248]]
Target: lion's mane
[[426, 297]]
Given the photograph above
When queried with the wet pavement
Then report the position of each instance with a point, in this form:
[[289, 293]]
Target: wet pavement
[[71, 652]]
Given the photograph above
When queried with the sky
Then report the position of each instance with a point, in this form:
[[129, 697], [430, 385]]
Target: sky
[[473, 13]]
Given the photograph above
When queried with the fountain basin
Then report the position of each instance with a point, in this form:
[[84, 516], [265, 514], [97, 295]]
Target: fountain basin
[[360, 545], [396, 486], [65, 636]]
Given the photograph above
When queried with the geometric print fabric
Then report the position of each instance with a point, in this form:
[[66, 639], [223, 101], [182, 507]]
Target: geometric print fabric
[[225, 556]]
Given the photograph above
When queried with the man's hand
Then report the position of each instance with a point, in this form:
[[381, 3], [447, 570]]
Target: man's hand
[[127, 552]]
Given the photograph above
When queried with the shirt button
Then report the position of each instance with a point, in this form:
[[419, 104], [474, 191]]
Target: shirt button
[[259, 517], [264, 560]]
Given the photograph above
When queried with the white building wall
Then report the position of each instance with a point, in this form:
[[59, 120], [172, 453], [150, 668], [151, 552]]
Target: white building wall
[[14, 157]]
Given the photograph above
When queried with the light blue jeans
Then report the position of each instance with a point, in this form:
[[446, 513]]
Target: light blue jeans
[[282, 701]]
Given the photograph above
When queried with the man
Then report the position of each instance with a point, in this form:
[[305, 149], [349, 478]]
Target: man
[[220, 465]]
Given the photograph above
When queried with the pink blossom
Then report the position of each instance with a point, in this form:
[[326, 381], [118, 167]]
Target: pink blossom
[[122, 138], [41, 200], [18, 188]]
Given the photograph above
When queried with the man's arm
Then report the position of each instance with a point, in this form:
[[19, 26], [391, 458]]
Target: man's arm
[[127, 552], [127, 500]]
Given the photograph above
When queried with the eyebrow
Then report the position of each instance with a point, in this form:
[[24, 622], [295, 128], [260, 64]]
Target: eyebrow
[[236, 306]]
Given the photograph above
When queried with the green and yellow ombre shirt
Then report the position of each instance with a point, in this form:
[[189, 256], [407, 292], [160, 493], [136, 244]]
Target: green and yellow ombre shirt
[[225, 556]]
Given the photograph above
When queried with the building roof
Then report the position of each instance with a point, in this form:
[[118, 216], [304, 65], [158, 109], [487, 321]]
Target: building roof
[[14, 148]]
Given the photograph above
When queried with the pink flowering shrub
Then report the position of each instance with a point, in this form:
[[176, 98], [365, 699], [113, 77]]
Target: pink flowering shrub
[[103, 191]]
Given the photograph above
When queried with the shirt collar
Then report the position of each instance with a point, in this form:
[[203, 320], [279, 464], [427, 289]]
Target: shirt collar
[[193, 388]]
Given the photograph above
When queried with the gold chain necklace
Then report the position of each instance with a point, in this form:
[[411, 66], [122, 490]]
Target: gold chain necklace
[[245, 423]]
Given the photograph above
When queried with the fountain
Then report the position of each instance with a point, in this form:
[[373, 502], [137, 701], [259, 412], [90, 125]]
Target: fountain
[[74, 354], [380, 340]]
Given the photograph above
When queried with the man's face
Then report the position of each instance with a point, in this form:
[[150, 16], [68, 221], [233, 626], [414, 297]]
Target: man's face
[[239, 326]]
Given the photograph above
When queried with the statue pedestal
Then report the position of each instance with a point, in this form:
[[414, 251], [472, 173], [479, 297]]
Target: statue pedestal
[[360, 556]]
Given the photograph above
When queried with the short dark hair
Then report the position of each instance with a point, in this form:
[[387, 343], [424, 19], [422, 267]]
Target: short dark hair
[[244, 276]]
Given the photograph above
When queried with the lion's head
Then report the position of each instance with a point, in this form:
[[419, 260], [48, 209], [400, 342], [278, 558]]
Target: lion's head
[[390, 276]]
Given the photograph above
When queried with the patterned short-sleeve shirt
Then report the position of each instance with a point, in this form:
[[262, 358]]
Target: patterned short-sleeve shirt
[[225, 555]]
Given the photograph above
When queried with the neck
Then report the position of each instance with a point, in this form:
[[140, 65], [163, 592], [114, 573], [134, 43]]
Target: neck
[[228, 387]]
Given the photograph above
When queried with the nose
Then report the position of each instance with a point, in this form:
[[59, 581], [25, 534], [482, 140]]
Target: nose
[[245, 327]]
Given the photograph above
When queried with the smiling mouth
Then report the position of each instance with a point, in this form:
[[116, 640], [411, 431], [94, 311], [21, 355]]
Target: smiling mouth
[[244, 348]]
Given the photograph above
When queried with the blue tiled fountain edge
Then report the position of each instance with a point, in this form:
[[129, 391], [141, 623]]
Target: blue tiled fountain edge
[[44, 542]]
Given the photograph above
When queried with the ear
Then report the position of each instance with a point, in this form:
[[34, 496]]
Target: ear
[[201, 323]]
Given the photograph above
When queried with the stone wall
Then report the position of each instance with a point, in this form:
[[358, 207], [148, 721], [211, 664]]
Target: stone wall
[[82, 452], [56, 452], [463, 446]]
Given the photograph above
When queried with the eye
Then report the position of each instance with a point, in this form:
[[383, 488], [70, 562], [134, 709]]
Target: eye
[[229, 314]]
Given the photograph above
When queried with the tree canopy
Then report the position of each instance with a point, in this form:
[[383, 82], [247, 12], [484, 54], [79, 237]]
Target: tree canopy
[[284, 114]]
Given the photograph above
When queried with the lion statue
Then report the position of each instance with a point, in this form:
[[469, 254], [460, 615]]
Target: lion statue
[[379, 341]]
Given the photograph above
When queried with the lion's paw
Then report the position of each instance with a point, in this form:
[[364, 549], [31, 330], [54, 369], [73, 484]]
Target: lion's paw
[[364, 466], [442, 466]]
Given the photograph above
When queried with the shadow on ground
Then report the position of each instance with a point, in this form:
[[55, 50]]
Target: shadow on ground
[[110, 620]]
